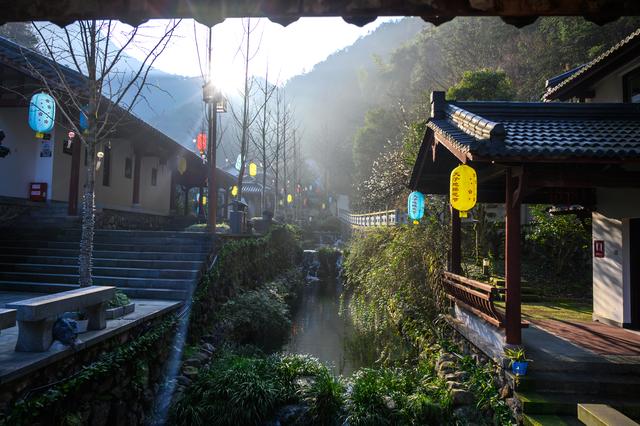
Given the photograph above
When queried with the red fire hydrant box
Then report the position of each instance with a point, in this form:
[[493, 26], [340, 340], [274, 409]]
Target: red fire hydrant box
[[38, 191]]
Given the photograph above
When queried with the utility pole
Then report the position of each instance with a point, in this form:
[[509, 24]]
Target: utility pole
[[210, 98]]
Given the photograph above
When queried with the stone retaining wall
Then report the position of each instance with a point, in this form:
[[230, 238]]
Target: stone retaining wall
[[120, 396]]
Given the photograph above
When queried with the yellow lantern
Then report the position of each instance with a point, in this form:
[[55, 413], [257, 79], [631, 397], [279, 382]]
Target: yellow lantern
[[234, 190], [182, 165], [253, 169], [204, 200], [463, 190], [324, 206], [289, 198]]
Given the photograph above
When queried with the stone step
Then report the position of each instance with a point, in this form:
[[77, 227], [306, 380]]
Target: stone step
[[591, 383], [134, 292], [567, 404], [183, 256], [97, 280], [74, 233], [165, 247], [550, 420], [102, 262], [106, 239], [48, 269]]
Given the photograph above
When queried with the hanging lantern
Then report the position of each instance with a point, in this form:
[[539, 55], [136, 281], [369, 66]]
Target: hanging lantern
[[415, 205], [204, 200], [324, 206], [239, 162], [289, 198], [201, 143], [234, 190], [42, 113], [84, 119], [182, 165], [463, 189], [253, 169]]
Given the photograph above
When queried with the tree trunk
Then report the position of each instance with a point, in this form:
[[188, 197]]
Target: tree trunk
[[88, 219]]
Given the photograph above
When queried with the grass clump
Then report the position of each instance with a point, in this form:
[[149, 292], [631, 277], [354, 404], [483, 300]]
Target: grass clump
[[119, 299], [397, 396], [248, 389]]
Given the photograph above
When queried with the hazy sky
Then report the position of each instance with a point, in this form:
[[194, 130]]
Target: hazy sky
[[287, 50]]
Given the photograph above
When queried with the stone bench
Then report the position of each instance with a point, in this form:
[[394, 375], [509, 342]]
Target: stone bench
[[7, 318], [602, 415], [36, 316]]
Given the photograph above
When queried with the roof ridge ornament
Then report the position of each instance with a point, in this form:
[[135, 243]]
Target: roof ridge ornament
[[475, 125]]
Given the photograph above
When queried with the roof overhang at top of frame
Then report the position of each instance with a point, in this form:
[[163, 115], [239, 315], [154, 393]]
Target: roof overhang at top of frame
[[358, 12]]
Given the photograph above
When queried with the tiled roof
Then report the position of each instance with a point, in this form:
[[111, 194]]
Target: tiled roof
[[566, 81], [539, 131]]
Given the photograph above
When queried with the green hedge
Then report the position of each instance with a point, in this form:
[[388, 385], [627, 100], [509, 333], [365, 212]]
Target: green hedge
[[242, 265]]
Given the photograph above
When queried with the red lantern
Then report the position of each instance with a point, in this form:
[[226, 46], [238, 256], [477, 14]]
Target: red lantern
[[201, 143]]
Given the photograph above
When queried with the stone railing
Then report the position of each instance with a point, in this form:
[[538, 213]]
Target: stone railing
[[382, 218]]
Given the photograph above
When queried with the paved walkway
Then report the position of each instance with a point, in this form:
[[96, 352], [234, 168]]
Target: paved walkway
[[594, 336]]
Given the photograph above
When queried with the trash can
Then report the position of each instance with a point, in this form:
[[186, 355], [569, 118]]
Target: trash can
[[238, 217]]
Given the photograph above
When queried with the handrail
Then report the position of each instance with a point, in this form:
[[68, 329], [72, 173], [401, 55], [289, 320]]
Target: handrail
[[372, 219]]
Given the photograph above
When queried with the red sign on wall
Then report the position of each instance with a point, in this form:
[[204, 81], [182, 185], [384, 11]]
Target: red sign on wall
[[598, 248]]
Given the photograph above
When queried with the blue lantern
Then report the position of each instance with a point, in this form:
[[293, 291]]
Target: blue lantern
[[415, 205], [42, 113], [84, 120]]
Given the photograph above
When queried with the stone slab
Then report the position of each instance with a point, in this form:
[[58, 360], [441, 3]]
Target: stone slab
[[51, 305], [602, 415]]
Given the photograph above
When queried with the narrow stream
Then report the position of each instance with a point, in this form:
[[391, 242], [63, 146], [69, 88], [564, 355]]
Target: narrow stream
[[318, 329]]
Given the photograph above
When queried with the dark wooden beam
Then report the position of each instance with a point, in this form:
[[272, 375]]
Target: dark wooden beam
[[211, 12], [512, 261]]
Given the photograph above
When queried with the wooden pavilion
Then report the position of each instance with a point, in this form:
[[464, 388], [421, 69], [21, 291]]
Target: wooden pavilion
[[528, 153]]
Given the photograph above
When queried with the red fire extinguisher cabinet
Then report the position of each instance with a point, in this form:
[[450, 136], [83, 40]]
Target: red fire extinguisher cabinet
[[38, 191]]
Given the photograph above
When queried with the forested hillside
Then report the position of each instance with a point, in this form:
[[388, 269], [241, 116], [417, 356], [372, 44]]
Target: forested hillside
[[397, 92]]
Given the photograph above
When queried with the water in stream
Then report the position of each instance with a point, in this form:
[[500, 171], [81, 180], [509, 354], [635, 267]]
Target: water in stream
[[318, 329]]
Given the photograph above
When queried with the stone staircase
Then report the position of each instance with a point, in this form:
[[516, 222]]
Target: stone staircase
[[549, 393], [143, 264]]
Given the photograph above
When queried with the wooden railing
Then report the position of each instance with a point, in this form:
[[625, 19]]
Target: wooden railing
[[382, 218], [475, 297]]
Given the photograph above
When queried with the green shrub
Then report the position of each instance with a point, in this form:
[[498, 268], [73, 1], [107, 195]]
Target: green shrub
[[119, 299], [257, 317], [393, 277]]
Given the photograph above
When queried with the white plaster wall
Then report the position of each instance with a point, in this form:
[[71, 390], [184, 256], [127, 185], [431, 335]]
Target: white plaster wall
[[23, 165], [154, 199], [609, 89], [119, 194], [608, 282]]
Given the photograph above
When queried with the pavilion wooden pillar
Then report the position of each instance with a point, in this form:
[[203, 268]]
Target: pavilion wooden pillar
[[74, 179], [136, 178], [456, 236], [512, 261], [225, 211]]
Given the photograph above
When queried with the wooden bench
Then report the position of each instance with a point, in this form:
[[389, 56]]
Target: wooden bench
[[602, 415], [36, 316], [476, 297], [7, 318]]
